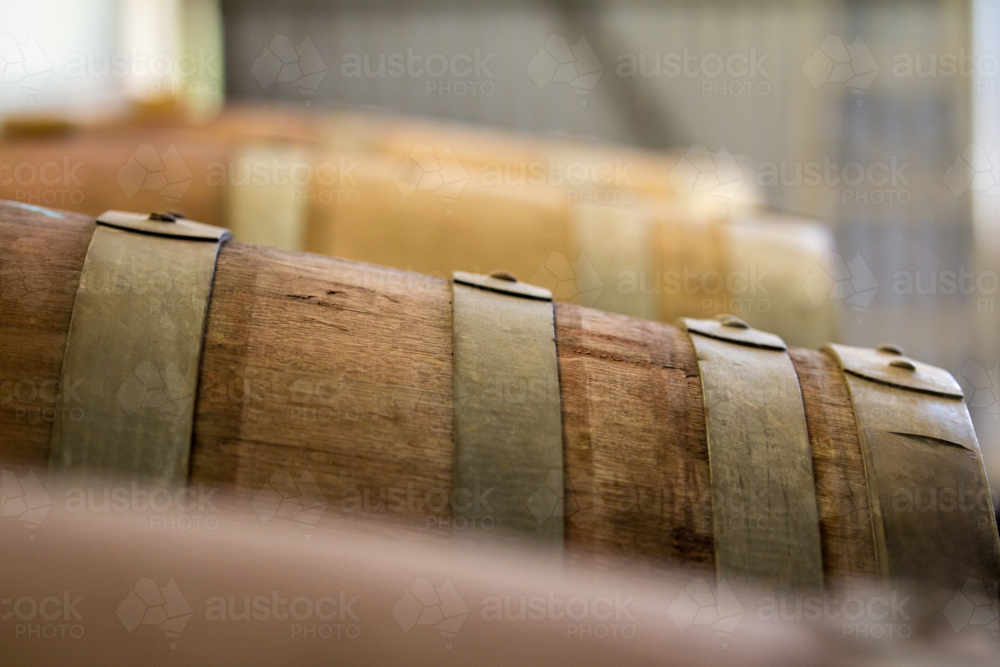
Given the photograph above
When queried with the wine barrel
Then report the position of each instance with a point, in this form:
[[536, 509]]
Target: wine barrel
[[600, 225], [656, 257], [345, 373]]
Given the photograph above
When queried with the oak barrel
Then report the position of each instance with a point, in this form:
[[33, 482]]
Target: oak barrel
[[604, 226], [343, 371]]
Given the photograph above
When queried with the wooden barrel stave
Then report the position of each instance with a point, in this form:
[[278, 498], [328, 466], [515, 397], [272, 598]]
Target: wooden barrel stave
[[290, 334]]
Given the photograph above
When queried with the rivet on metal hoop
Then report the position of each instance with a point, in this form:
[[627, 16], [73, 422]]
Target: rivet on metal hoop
[[504, 275]]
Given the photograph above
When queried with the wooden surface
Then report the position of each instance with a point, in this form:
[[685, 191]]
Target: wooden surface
[[343, 371]]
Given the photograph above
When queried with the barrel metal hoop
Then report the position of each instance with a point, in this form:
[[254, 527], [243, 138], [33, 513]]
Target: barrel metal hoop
[[134, 347], [508, 414], [932, 515], [765, 517]]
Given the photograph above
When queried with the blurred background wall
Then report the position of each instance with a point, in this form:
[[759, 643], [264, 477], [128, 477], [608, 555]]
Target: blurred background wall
[[880, 119]]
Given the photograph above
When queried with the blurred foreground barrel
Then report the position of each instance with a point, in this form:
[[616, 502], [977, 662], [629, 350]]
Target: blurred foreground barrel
[[341, 374]]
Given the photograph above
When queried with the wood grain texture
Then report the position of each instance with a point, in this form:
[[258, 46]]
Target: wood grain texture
[[41, 256], [343, 371], [845, 519], [634, 430]]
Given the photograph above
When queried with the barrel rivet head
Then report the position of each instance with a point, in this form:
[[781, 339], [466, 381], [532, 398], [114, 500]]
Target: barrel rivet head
[[904, 364], [889, 348], [504, 275], [167, 216], [733, 322]]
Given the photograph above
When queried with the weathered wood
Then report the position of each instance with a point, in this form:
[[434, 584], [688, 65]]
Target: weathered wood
[[344, 370], [841, 490]]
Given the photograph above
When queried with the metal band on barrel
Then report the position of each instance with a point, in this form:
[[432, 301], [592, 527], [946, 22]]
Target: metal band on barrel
[[508, 416], [765, 517], [932, 515], [134, 344]]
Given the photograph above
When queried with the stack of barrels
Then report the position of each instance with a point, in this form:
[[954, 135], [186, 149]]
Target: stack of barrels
[[649, 234], [534, 363]]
